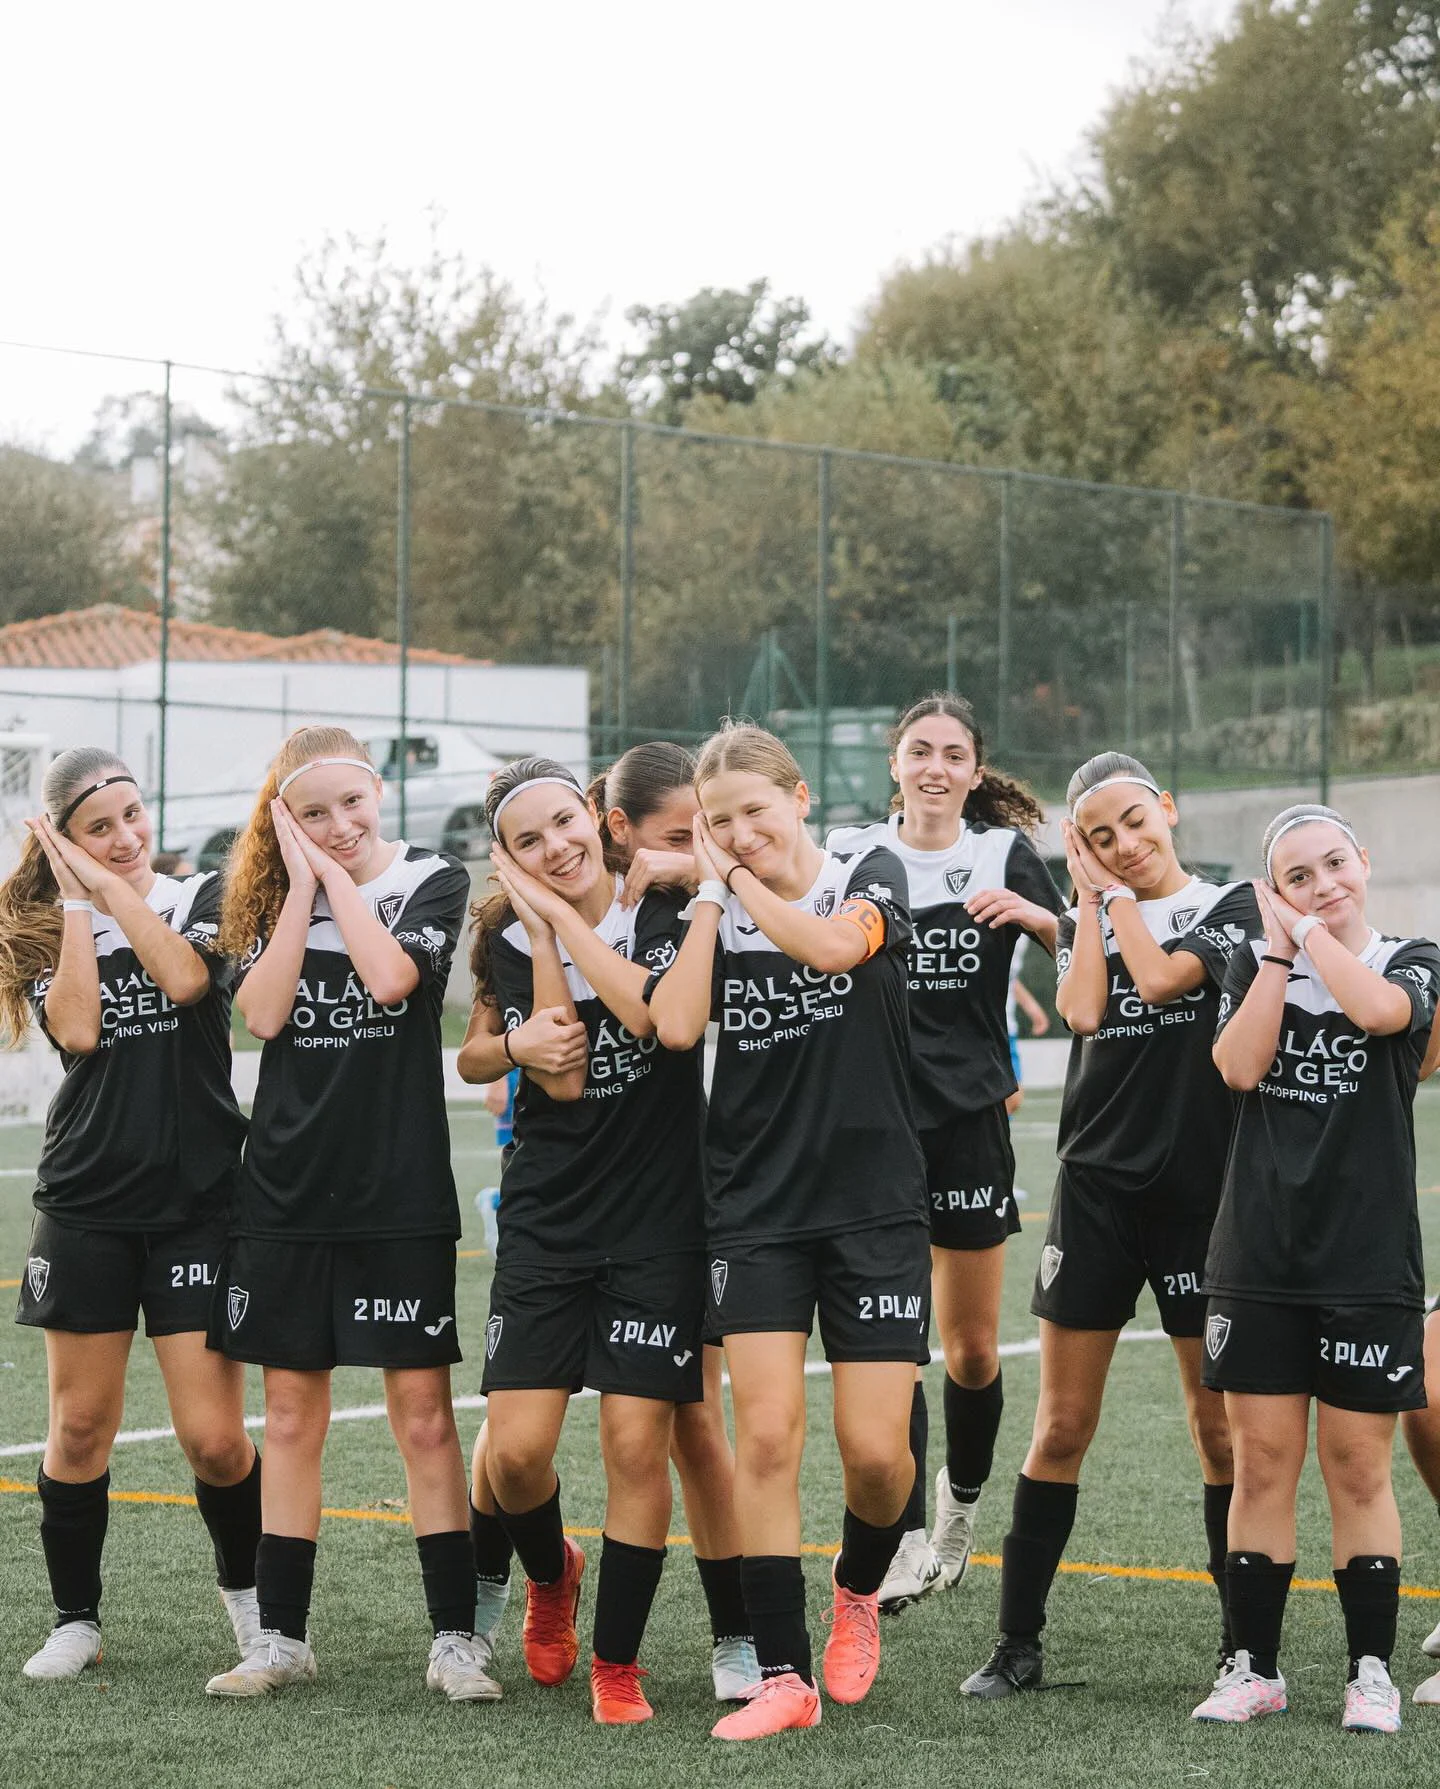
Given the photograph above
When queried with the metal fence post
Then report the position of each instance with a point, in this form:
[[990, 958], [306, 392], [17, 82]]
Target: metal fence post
[[822, 640], [1327, 652], [1177, 538], [164, 697], [627, 587], [402, 599], [1002, 643]]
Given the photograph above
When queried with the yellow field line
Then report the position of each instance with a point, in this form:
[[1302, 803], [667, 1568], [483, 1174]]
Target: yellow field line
[[1150, 1574]]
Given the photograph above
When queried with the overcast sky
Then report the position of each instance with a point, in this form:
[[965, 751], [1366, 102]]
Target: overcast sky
[[167, 165]]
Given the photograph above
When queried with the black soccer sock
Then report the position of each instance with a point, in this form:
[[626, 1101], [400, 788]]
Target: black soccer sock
[[73, 1520], [538, 1537], [1040, 1524], [1256, 1589], [866, 1552], [775, 1598], [724, 1597], [1369, 1589], [972, 1421], [284, 1579], [491, 1547], [629, 1578], [232, 1515], [914, 1516], [1217, 1517], [447, 1569]]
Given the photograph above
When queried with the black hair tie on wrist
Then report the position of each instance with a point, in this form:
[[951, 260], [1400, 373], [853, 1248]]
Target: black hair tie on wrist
[[1284, 962], [509, 1055], [735, 869]]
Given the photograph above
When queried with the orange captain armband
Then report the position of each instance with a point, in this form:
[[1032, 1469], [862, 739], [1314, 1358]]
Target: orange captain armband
[[869, 921]]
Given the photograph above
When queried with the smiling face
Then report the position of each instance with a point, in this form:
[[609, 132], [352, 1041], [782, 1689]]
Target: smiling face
[[1129, 828], [666, 828], [551, 834], [936, 767], [757, 822], [337, 807], [1320, 869], [113, 827]]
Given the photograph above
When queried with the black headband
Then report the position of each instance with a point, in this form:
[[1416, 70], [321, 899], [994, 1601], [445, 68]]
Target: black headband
[[121, 776]]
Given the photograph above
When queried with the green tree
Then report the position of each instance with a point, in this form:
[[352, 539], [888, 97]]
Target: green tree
[[62, 540]]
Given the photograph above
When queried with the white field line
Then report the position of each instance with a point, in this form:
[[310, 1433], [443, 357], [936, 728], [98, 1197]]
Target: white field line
[[474, 1401]]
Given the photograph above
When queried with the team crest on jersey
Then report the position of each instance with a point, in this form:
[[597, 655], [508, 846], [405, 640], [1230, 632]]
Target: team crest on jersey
[[662, 955], [387, 909], [1217, 1334], [719, 1274], [1182, 919], [237, 1302], [167, 915], [37, 1272], [1050, 1259], [825, 903], [493, 1331], [621, 947], [956, 880]]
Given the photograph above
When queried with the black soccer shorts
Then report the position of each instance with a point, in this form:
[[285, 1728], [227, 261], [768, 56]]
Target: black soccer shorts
[[870, 1287], [310, 1306], [970, 1180], [1102, 1247], [1368, 1357], [632, 1328], [95, 1282]]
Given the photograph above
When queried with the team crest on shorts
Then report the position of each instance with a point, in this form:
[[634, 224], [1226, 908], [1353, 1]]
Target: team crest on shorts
[[1050, 1259], [956, 880], [37, 1272], [1217, 1334], [719, 1274], [387, 909], [492, 1336], [237, 1302]]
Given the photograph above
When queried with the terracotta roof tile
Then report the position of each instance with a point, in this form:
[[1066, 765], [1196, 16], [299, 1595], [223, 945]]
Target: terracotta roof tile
[[107, 636]]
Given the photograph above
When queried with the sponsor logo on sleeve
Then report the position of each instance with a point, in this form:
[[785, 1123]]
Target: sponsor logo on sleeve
[[1050, 1259], [1217, 1334], [1062, 963], [1236, 934], [430, 939], [661, 955], [37, 1272], [1224, 1010]]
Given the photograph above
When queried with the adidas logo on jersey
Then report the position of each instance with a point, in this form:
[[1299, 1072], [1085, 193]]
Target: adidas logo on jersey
[[719, 1274], [1050, 1259], [37, 1272], [1217, 1334], [493, 1331], [237, 1302]]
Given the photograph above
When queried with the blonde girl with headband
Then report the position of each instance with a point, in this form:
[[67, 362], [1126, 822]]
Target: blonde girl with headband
[[342, 1249], [1143, 1125], [142, 1141], [815, 1194], [978, 890], [599, 1268], [1315, 1271]]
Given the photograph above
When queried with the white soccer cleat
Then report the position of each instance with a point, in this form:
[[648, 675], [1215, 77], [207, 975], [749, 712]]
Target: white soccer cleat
[[1430, 1645], [243, 1608], [67, 1651], [1372, 1703], [913, 1572], [274, 1664], [457, 1666], [734, 1669], [954, 1532]]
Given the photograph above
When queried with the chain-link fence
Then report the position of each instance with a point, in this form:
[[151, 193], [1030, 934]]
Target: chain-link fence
[[680, 577]]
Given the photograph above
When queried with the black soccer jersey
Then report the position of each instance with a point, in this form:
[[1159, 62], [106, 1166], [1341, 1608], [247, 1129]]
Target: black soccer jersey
[[616, 1174], [1319, 1201], [1144, 1107], [144, 1133], [349, 1137], [959, 971], [811, 1130]]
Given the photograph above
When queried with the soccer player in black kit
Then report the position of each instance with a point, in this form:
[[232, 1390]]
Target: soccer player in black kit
[[599, 1271], [141, 1145], [342, 1249], [1143, 1127], [977, 886], [1315, 1274], [815, 1194]]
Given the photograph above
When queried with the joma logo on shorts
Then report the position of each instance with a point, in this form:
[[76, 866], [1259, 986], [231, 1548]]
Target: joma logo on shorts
[[889, 1306]]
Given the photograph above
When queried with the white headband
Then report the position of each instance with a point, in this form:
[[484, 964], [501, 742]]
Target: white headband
[[1306, 820], [1106, 783], [533, 782], [314, 763]]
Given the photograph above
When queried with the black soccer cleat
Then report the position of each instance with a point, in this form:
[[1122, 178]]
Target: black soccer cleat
[[1015, 1665]]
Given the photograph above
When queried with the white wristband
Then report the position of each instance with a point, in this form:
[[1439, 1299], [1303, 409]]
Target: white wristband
[[712, 889], [78, 906], [1303, 928], [1117, 891]]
